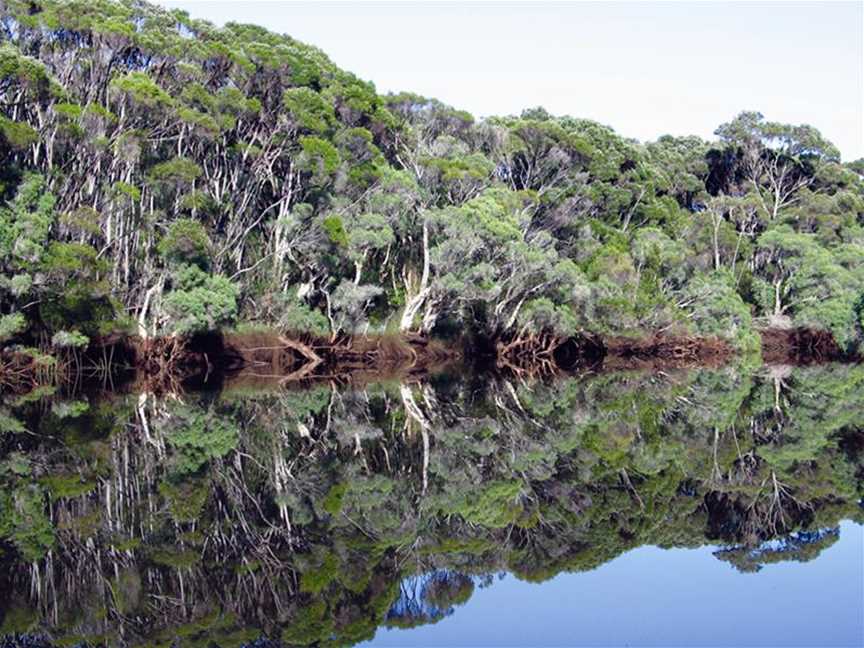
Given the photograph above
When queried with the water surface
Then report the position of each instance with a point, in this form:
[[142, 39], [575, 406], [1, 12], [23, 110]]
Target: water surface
[[666, 597], [687, 507]]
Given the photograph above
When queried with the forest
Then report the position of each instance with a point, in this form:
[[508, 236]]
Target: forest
[[163, 178]]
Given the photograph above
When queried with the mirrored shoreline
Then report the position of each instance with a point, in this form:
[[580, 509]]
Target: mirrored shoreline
[[323, 515]]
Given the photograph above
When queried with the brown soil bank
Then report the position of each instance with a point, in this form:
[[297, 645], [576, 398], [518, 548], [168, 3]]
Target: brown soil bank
[[548, 354], [659, 351], [800, 346], [207, 361]]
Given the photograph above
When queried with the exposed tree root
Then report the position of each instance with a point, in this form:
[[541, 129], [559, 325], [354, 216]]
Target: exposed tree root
[[545, 354], [799, 346], [281, 359], [172, 364], [18, 372]]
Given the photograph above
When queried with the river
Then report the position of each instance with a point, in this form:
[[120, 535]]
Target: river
[[694, 506]]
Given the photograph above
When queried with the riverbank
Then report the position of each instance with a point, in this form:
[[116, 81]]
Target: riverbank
[[264, 355]]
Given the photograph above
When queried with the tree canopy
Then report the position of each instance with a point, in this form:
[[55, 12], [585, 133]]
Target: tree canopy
[[155, 143]]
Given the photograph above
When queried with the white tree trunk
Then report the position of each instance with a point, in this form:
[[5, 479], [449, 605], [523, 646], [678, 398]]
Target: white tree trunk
[[414, 303], [143, 332]]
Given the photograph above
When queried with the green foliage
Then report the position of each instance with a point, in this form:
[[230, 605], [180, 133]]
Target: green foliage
[[494, 504], [17, 135], [364, 159], [319, 156], [335, 230], [69, 409], [309, 110], [24, 521], [59, 486], [131, 192], [333, 502], [539, 315], [186, 242], [315, 579], [73, 261], [715, 309], [296, 317], [197, 437], [11, 325], [24, 72], [186, 498], [26, 223], [142, 90], [83, 221], [200, 302], [177, 171], [69, 339], [309, 625]]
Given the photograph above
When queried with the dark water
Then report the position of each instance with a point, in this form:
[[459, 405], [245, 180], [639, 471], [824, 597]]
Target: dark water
[[688, 507]]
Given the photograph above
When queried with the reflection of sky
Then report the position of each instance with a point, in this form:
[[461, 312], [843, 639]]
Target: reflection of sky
[[652, 596]]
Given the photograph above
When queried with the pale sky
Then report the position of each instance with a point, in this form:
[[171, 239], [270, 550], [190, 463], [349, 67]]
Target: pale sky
[[646, 69]]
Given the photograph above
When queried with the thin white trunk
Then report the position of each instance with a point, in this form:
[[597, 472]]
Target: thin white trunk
[[415, 302], [143, 332], [413, 410], [778, 307]]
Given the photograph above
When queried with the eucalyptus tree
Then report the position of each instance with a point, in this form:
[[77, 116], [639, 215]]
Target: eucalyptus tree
[[682, 168], [805, 281], [777, 160], [486, 258]]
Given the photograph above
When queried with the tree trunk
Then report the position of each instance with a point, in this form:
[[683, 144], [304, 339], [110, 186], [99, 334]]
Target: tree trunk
[[414, 303], [142, 314], [778, 306]]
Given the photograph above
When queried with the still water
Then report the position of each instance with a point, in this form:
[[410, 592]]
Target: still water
[[666, 597], [687, 507]]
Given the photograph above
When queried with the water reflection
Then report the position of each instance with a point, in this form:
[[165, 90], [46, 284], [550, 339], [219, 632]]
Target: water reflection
[[320, 515], [663, 597]]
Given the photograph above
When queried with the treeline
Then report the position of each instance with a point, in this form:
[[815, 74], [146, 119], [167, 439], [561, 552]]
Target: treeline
[[160, 175]]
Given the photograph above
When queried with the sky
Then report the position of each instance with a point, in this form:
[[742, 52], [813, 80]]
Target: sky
[[646, 69]]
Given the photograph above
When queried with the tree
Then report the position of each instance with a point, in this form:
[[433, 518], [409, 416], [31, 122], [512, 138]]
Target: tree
[[780, 254], [486, 258], [806, 281], [778, 159], [348, 305], [186, 242], [682, 168], [199, 302], [715, 309]]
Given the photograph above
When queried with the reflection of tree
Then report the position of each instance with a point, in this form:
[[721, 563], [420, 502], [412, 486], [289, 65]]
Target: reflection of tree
[[802, 546], [318, 515], [428, 598]]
